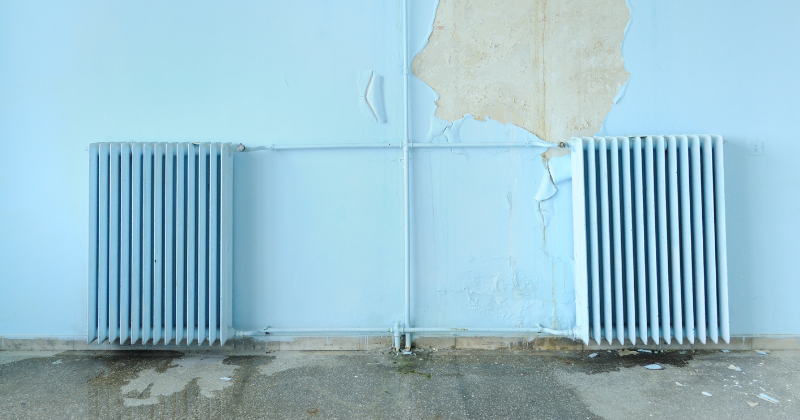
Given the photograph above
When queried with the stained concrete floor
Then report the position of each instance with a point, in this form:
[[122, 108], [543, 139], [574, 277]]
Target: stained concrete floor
[[382, 385]]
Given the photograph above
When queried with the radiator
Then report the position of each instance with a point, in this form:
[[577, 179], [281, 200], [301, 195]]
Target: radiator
[[160, 238], [650, 254]]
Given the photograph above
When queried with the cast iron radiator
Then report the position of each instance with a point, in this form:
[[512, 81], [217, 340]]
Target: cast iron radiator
[[650, 253], [160, 236]]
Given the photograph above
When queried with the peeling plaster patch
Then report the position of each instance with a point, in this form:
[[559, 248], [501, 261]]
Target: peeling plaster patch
[[150, 384], [553, 68], [370, 88]]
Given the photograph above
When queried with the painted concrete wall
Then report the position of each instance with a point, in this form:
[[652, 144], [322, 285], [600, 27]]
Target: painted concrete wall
[[319, 235]]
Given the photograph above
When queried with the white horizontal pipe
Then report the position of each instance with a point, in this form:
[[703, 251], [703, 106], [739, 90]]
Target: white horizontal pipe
[[324, 146], [548, 331], [390, 145], [386, 145], [289, 331], [402, 330], [450, 145]]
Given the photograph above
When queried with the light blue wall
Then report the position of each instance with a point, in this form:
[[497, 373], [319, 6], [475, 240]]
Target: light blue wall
[[319, 234]]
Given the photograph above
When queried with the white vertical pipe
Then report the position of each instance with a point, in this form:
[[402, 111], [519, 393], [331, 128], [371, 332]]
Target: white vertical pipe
[[710, 240], [697, 236], [594, 256], [396, 333], [722, 247], [406, 206], [686, 239], [663, 256], [641, 268], [619, 306], [674, 239], [407, 261], [630, 276]]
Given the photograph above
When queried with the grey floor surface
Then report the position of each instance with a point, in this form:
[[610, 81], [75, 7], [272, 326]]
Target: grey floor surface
[[382, 385]]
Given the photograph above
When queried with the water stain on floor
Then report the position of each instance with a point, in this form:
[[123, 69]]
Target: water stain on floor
[[612, 361]]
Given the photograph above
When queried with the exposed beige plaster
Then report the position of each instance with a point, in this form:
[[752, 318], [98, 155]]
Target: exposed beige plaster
[[551, 67]]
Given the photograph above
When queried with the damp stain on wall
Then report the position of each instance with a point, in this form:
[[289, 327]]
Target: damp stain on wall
[[550, 67]]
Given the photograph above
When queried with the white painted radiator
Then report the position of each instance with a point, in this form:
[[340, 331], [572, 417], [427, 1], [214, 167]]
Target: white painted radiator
[[160, 237], [650, 253]]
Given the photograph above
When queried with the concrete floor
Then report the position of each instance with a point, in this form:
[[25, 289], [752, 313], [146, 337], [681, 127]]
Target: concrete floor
[[378, 384]]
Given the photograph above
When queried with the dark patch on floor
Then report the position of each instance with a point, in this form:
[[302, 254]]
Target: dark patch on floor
[[250, 361], [611, 361]]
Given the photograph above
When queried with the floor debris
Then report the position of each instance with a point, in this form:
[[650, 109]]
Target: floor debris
[[728, 351], [644, 351], [679, 384], [57, 362], [706, 394], [736, 368], [593, 355], [752, 404], [764, 352], [766, 397], [627, 352], [654, 367], [225, 378]]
